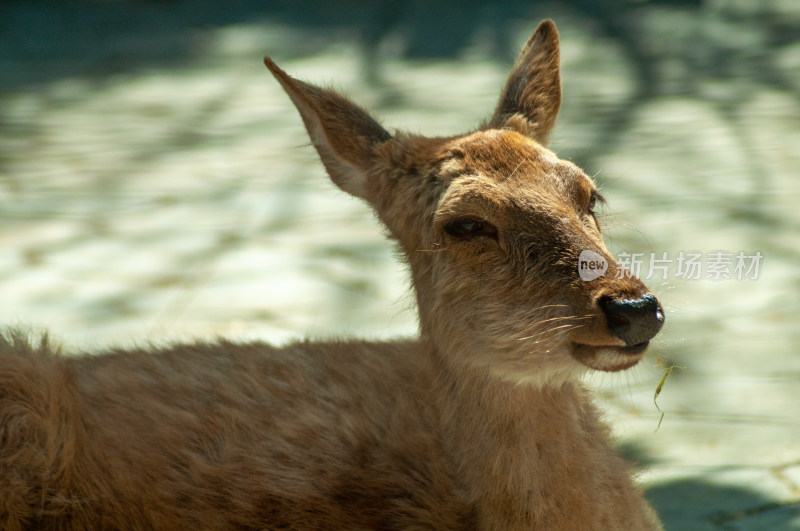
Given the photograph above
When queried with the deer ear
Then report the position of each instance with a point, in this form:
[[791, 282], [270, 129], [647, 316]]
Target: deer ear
[[344, 134], [533, 89]]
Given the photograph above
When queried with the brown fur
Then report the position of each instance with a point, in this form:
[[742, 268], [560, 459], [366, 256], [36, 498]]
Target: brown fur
[[481, 423]]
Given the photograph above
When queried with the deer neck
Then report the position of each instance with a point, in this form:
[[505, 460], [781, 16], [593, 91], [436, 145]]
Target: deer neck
[[516, 444]]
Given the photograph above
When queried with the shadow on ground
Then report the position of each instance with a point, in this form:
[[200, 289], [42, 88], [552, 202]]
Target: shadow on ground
[[696, 505]]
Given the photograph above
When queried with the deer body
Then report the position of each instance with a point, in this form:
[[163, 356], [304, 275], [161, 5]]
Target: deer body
[[481, 423]]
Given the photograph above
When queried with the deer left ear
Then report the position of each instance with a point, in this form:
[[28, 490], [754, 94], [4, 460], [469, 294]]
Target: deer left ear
[[343, 133], [533, 89]]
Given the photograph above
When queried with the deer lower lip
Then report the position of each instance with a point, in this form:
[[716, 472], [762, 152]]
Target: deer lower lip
[[609, 358], [635, 349], [630, 349]]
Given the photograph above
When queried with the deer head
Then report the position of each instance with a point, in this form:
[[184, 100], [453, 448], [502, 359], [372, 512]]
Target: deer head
[[493, 224]]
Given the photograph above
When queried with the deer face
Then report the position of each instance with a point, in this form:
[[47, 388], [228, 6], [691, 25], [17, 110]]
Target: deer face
[[505, 240], [493, 225]]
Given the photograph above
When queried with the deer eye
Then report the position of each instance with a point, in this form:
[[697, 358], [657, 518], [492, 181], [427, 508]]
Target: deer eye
[[592, 203], [468, 227]]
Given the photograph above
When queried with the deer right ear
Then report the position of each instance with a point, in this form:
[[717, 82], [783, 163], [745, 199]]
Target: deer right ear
[[533, 88], [343, 133]]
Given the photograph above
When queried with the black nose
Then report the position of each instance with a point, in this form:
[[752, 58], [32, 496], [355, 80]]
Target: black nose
[[635, 321]]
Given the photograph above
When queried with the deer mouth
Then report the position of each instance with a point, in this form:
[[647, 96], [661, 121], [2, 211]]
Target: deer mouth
[[609, 358]]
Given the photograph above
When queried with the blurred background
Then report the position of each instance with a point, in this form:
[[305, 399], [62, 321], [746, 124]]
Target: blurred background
[[157, 185]]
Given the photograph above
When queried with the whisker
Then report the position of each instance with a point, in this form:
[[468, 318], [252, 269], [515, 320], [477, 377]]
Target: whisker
[[562, 318], [432, 250], [523, 161], [540, 341], [550, 306], [549, 330], [552, 341]]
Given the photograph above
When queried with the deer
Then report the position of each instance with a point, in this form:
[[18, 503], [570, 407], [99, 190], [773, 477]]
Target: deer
[[483, 421]]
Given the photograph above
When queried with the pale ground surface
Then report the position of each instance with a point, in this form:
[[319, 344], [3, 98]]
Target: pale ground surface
[[152, 197]]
